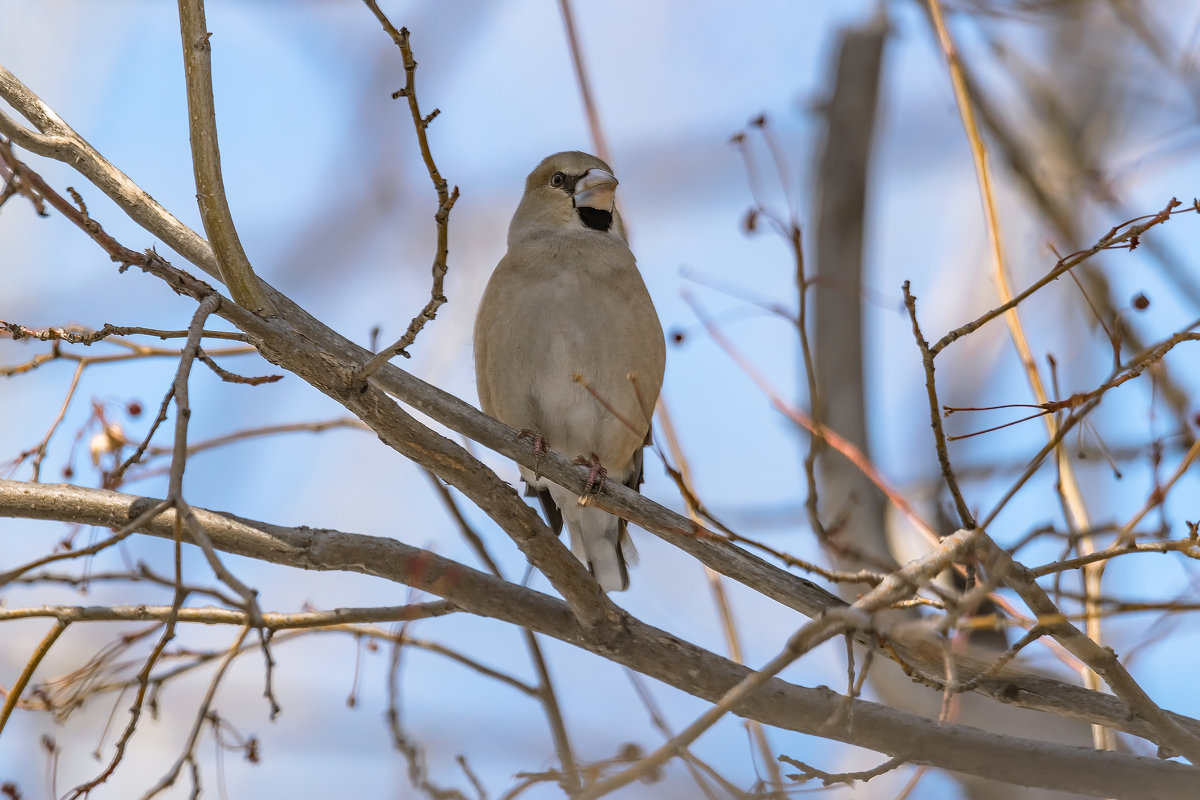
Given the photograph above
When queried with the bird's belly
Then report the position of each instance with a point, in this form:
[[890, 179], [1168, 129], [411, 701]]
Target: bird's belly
[[578, 389]]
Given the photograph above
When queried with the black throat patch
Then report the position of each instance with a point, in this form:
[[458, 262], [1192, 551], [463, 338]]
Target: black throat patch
[[595, 219]]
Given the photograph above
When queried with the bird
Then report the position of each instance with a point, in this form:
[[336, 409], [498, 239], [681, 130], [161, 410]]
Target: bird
[[569, 349]]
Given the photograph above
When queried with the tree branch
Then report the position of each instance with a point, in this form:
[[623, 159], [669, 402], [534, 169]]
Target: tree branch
[[271, 620], [236, 271]]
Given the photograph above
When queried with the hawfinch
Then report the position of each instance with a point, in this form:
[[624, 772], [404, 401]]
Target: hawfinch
[[569, 349]]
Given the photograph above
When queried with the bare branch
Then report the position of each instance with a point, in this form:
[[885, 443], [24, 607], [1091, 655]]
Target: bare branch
[[235, 267], [58, 141], [274, 620], [201, 717], [858, 616], [1102, 660], [18, 688], [75, 334], [848, 778], [446, 201]]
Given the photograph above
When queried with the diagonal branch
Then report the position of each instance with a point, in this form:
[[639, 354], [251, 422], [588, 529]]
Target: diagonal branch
[[18, 688], [55, 139]]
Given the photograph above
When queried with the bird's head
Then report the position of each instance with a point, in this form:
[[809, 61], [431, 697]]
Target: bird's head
[[569, 191]]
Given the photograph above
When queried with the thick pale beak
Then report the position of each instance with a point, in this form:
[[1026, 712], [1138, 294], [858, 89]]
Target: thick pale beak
[[595, 190]]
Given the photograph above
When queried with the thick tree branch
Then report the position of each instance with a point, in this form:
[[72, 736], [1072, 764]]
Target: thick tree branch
[[236, 271], [210, 615]]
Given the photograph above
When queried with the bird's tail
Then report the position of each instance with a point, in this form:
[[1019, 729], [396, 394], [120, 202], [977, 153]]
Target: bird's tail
[[598, 539]]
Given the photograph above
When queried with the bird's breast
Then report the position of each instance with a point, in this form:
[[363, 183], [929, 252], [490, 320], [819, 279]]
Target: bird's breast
[[584, 354]]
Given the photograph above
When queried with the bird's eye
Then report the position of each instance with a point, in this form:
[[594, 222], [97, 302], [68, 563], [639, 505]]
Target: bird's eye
[[558, 180]]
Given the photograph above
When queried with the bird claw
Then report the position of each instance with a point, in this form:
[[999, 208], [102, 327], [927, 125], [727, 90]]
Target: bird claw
[[539, 447], [597, 475]]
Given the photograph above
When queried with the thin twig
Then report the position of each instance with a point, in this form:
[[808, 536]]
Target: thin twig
[[1123, 236], [233, 377], [966, 518], [1159, 495], [1188, 546], [202, 715], [248, 433], [807, 772], [77, 334], [446, 200], [18, 688], [274, 620], [1131, 369]]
